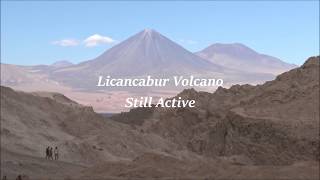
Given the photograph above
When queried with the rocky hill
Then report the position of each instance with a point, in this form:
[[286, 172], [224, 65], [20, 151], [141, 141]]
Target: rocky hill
[[269, 131], [31, 122], [276, 123]]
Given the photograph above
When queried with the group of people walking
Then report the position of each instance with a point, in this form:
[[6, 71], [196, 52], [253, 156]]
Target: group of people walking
[[50, 153]]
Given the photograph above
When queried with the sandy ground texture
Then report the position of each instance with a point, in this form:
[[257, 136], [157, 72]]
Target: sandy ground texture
[[269, 131]]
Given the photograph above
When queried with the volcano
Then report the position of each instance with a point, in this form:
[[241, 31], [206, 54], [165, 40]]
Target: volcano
[[240, 57], [148, 53], [145, 53]]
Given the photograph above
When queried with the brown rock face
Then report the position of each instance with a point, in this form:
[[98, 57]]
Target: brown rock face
[[31, 122], [276, 123], [269, 131]]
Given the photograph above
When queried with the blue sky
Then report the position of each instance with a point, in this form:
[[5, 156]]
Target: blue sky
[[44, 32]]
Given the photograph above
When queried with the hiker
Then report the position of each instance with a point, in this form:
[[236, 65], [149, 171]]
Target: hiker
[[47, 153], [51, 153], [56, 153], [19, 177]]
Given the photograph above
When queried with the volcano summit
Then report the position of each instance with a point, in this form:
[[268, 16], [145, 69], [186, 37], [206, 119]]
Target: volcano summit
[[148, 53]]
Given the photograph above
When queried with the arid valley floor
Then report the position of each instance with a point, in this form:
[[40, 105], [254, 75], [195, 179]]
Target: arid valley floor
[[268, 131]]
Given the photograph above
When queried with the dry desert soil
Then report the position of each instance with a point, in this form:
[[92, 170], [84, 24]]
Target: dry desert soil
[[268, 131]]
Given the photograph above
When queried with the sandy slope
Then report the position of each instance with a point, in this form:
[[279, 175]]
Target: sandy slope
[[31, 122], [270, 131], [36, 168]]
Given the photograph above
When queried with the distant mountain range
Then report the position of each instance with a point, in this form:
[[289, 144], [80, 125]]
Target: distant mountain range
[[240, 57], [145, 53], [62, 63], [150, 53]]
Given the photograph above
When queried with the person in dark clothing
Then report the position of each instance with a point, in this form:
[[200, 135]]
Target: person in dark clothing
[[4, 178], [47, 153], [51, 153], [19, 177]]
